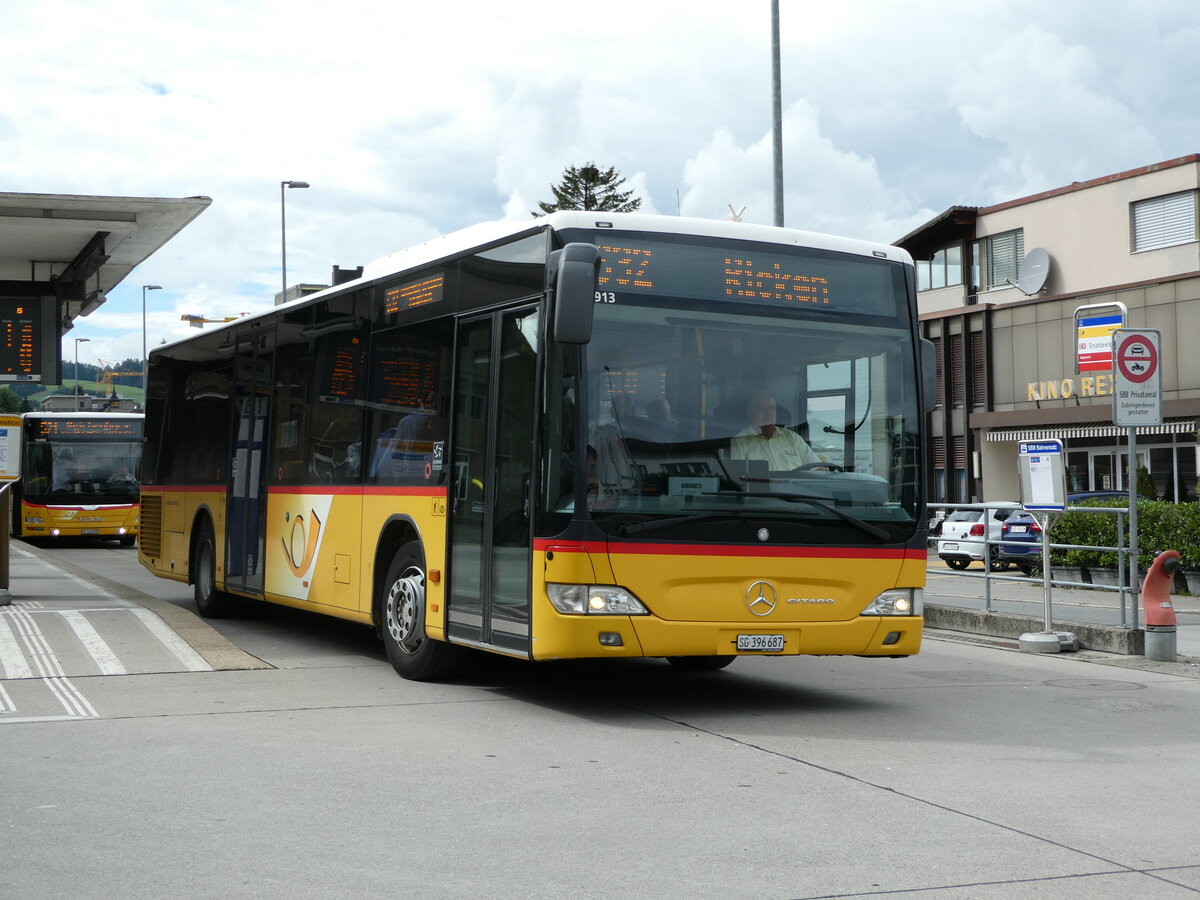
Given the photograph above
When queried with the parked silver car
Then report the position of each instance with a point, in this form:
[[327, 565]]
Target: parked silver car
[[963, 533]]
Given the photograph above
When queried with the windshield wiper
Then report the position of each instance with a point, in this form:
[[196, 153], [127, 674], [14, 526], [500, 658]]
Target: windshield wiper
[[654, 524], [861, 525]]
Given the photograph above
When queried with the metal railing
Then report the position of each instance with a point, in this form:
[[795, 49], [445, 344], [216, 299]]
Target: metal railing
[[1128, 599]]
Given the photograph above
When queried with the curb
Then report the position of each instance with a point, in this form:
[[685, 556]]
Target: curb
[[1107, 638]]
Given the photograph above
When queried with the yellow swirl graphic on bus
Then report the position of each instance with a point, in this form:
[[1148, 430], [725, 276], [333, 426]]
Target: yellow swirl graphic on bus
[[305, 537]]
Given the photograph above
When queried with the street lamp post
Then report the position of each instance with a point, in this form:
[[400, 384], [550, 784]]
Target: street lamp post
[[145, 364], [283, 225], [78, 341], [777, 114]]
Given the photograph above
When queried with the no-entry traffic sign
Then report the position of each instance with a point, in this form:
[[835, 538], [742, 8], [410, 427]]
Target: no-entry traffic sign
[[1137, 377]]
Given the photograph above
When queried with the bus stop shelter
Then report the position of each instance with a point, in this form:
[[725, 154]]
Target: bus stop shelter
[[60, 254], [70, 250]]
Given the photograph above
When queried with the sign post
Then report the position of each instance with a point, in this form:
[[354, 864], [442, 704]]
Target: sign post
[[1044, 490], [1137, 400], [10, 471], [1094, 327]]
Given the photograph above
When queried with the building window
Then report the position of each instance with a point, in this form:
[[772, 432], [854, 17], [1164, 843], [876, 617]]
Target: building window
[[943, 269], [978, 370], [1164, 221], [1001, 255], [958, 375], [938, 378]]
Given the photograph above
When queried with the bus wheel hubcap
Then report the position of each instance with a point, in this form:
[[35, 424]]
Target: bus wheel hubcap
[[403, 609]]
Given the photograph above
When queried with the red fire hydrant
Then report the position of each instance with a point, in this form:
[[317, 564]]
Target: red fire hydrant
[[1157, 608]]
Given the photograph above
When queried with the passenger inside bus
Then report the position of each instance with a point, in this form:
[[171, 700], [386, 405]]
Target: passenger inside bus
[[764, 438]]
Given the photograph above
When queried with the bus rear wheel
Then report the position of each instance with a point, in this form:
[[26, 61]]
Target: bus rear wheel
[[411, 652], [700, 663], [210, 602]]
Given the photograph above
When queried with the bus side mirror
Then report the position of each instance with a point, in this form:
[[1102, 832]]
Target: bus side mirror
[[573, 272], [928, 375]]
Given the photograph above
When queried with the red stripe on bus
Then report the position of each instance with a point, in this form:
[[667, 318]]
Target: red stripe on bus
[[543, 544], [357, 490], [90, 506], [324, 489]]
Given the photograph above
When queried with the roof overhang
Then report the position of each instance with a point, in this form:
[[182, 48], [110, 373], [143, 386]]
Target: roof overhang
[[957, 224], [74, 249]]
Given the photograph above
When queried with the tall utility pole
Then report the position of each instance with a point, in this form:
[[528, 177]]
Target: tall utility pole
[[777, 103]]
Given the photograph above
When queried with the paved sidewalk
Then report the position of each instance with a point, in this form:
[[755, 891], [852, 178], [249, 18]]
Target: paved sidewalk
[[66, 621], [1010, 594]]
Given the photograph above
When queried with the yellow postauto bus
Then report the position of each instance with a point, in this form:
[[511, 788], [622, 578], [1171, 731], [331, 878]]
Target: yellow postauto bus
[[79, 476], [588, 435]]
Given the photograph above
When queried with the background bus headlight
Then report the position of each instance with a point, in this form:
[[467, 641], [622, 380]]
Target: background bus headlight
[[897, 602], [594, 599]]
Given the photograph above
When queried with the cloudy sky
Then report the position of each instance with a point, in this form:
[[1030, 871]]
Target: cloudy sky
[[413, 119]]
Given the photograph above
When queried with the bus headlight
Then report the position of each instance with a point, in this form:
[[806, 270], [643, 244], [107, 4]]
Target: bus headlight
[[594, 599], [897, 602]]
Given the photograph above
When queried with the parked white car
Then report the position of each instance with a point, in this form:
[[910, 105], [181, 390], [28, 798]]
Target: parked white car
[[962, 538]]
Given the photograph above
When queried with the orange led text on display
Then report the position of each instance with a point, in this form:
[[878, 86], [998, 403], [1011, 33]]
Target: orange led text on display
[[96, 429], [628, 269], [644, 268], [417, 293], [743, 279]]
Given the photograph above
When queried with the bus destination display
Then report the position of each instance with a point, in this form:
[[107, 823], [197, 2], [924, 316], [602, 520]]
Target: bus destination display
[[753, 274], [89, 429], [20, 344]]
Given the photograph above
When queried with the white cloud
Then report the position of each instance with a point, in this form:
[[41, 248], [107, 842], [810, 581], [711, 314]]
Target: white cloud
[[415, 119], [1039, 98], [826, 189]]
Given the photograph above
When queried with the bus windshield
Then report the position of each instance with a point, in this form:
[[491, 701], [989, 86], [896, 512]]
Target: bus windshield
[[76, 472], [714, 418]]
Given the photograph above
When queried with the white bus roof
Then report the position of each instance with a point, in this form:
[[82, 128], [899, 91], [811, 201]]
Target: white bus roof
[[493, 232], [489, 233]]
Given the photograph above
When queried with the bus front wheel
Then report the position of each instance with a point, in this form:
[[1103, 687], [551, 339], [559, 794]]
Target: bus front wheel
[[413, 654]]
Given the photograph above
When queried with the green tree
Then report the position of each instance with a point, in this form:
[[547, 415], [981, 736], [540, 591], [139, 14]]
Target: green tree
[[9, 401], [1145, 483], [587, 187]]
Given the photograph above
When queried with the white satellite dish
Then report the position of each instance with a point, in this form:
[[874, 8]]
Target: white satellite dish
[[1032, 272]]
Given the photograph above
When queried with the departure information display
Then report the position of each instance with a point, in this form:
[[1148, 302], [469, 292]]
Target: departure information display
[[753, 273], [342, 363], [413, 294], [20, 341]]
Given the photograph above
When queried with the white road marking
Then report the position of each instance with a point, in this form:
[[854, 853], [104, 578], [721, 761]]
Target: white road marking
[[183, 651], [95, 645], [12, 659], [49, 668]]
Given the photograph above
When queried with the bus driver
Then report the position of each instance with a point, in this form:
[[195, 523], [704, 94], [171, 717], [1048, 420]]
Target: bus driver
[[763, 439]]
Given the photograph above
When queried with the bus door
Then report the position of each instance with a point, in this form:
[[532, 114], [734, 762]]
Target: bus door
[[246, 519], [493, 446]]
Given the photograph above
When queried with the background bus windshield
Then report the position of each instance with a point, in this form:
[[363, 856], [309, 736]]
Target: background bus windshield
[[77, 472], [795, 410]]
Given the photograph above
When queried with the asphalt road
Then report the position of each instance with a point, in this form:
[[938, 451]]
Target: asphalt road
[[286, 759]]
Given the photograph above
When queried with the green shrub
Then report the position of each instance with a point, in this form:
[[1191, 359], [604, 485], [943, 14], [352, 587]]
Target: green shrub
[[1162, 525]]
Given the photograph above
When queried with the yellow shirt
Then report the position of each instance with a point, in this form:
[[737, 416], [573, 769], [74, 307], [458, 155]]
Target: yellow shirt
[[783, 450]]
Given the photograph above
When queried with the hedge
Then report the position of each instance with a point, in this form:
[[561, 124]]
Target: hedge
[[1162, 525]]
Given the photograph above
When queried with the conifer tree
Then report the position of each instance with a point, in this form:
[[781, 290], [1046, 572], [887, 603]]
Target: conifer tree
[[587, 187]]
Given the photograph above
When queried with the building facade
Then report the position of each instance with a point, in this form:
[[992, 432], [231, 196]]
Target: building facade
[[1005, 293]]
